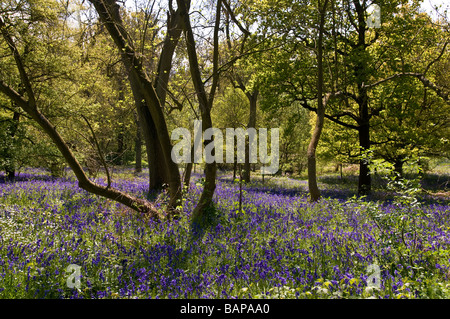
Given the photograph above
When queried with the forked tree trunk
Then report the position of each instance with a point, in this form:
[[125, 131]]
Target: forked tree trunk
[[149, 109], [203, 211], [148, 131]]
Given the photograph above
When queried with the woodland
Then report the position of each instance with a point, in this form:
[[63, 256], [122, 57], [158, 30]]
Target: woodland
[[91, 92]]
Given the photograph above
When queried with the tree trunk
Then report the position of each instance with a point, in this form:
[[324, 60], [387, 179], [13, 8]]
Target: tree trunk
[[149, 109], [138, 147], [11, 168], [204, 209], [187, 174], [364, 182], [314, 191], [251, 124], [188, 169], [311, 152], [118, 158], [398, 166], [165, 62], [10, 174], [156, 177]]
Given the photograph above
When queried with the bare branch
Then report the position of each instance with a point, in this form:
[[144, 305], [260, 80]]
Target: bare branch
[[235, 20], [215, 75], [436, 59], [100, 153]]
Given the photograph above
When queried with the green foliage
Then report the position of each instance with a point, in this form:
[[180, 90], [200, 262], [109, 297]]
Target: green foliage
[[405, 221], [230, 109], [10, 143]]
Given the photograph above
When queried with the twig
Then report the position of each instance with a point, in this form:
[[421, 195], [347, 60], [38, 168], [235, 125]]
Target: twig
[[99, 151]]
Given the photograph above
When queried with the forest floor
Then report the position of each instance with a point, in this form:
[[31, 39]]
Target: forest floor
[[278, 245]]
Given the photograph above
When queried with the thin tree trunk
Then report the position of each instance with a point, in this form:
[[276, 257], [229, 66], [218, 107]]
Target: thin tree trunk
[[171, 40], [398, 165], [187, 174], [188, 169], [138, 146], [118, 158], [311, 152], [251, 124], [11, 168], [203, 211], [364, 180], [240, 188]]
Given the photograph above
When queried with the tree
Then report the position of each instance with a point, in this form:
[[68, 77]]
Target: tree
[[242, 74], [231, 111], [148, 96], [313, 19], [39, 24], [202, 212], [406, 108], [321, 103], [355, 58]]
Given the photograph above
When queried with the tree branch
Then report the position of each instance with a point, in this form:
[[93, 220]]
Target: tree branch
[[328, 96], [100, 153], [13, 95], [436, 59], [420, 76], [215, 75], [235, 20], [19, 63]]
